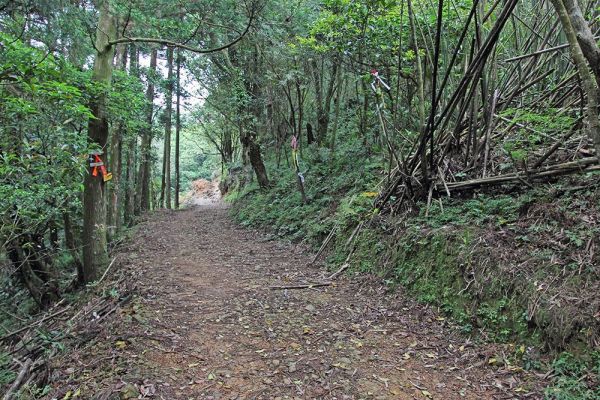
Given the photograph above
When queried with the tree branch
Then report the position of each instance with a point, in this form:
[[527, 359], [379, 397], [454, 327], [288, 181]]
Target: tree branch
[[171, 43]]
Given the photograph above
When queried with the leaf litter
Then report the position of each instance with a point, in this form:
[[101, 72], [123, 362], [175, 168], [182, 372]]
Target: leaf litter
[[207, 326]]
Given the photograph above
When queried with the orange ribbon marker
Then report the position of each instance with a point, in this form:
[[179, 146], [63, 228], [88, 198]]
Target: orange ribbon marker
[[97, 163]]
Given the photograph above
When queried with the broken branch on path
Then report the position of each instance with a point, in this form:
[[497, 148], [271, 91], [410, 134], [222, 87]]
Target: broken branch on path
[[324, 245], [302, 286]]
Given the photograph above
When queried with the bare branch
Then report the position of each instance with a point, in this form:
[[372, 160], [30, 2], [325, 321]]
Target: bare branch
[[537, 53], [171, 43]]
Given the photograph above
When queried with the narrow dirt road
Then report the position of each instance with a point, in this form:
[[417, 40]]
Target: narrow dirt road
[[208, 326]]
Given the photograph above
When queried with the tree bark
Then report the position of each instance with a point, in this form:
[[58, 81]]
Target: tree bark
[[146, 145], [336, 113], [420, 85], [310, 138], [587, 80], [585, 38], [166, 189], [116, 142], [129, 201], [177, 129], [248, 137], [95, 255], [71, 246], [323, 100]]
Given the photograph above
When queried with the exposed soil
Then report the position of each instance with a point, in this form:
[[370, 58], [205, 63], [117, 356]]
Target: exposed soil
[[207, 325]]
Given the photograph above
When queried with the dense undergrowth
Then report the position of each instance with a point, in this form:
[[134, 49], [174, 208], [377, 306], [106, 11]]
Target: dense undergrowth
[[517, 266]]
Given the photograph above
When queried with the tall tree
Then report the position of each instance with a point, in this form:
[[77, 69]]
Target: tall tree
[[146, 144], [165, 196], [116, 146], [131, 142], [177, 129], [95, 255]]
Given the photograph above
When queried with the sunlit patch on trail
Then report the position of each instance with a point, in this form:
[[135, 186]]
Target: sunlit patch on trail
[[203, 192]]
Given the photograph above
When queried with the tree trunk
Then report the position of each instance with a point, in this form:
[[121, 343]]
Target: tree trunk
[[420, 85], [177, 129], [585, 37], [249, 138], [323, 100], [336, 113], [116, 142], [587, 80], [129, 206], [166, 189], [227, 145], [257, 164], [146, 145], [113, 218], [310, 138], [71, 246], [95, 255]]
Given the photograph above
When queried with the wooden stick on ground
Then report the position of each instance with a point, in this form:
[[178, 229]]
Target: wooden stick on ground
[[324, 245], [17, 383], [105, 272], [23, 329], [301, 286]]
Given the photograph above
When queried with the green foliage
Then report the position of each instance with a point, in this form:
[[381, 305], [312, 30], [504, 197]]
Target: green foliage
[[533, 129], [6, 375], [127, 103], [43, 150], [499, 210], [575, 378], [335, 188]]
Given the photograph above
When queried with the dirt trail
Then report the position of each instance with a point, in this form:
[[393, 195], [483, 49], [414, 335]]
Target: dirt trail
[[207, 326]]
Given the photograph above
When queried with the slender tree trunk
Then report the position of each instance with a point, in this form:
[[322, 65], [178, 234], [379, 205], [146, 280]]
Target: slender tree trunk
[[130, 187], [177, 129], [166, 189], [585, 37], [258, 165], [113, 188], [161, 199], [587, 80], [71, 245], [146, 145], [323, 100], [116, 143], [336, 113], [300, 99], [249, 138], [310, 138], [318, 82], [227, 145], [420, 85], [95, 255]]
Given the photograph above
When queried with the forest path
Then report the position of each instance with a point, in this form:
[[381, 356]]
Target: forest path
[[208, 326]]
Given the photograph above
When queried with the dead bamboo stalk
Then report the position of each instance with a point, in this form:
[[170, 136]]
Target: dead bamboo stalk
[[584, 165], [536, 53], [17, 383], [23, 329]]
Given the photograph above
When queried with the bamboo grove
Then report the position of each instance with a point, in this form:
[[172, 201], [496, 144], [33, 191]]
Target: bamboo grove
[[449, 96]]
